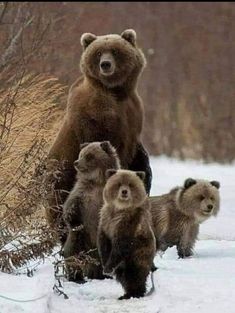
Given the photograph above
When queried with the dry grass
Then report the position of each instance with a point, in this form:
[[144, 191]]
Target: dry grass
[[37, 116], [33, 120]]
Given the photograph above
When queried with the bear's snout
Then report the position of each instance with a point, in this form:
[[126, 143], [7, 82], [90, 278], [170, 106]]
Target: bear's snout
[[124, 193], [209, 208], [107, 64]]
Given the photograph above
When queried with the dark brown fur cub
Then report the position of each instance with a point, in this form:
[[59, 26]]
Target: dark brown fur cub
[[126, 241], [86, 199], [177, 215]]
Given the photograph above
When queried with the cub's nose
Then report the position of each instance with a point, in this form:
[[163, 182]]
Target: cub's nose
[[209, 207], [105, 65], [124, 192]]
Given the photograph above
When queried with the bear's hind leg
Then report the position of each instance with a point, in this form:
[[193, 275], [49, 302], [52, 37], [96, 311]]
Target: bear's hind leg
[[95, 270], [73, 246], [133, 280]]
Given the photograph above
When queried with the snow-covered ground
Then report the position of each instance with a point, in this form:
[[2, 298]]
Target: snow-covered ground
[[203, 283]]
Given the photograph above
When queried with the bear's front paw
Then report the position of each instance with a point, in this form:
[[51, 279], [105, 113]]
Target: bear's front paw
[[184, 253], [108, 270], [109, 273], [57, 175], [126, 296]]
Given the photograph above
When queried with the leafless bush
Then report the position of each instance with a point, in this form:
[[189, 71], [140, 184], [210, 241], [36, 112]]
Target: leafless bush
[[24, 232], [28, 110]]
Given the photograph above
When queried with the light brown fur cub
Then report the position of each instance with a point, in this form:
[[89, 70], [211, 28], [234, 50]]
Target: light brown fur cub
[[126, 241], [177, 215], [86, 199]]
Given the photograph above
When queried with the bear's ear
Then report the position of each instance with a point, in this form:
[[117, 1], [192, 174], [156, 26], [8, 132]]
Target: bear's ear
[[105, 145], [83, 145], [110, 173], [86, 39], [215, 184], [130, 36], [189, 182], [141, 175]]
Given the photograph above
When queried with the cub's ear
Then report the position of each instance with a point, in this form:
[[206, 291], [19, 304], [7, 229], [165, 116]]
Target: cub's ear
[[83, 145], [87, 39], [106, 146], [189, 182], [141, 175], [215, 184], [130, 36], [110, 173]]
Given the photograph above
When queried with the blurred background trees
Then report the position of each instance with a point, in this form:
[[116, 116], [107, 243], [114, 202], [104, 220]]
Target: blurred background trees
[[188, 85]]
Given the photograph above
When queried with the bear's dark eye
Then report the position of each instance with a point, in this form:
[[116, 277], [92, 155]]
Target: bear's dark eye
[[98, 54], [131, 185], [212, 198], [114, 51], [201, 198]]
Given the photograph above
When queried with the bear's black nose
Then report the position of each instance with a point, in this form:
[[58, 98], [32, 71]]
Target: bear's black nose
[[210, 207], [124, 192], [105, 65]]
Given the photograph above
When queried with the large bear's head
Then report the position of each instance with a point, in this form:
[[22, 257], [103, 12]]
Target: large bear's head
[[112, 60]]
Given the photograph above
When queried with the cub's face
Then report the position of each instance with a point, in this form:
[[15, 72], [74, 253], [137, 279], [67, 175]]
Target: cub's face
[[124, 189], [96, 157], [111, 59], [201, 198]]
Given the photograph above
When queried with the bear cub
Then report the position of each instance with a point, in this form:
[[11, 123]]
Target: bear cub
[[126, 241], [81, 209], [177, 215]]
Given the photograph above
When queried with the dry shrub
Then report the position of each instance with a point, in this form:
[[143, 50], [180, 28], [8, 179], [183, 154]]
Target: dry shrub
[[27, 126]]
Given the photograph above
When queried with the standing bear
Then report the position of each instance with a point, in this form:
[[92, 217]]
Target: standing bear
[[102, 105], [82, 207], [126, 241]]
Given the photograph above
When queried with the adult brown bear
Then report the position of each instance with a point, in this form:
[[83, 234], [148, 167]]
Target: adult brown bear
[[102, 105]]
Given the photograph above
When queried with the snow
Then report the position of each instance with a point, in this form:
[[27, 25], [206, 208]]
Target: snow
[[202, 283]]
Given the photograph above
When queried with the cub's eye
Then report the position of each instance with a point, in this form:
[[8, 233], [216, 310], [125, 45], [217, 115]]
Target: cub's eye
[[89, 157], [99, 54], [131, 185], [201, 198], [212, 198], [114, 51]]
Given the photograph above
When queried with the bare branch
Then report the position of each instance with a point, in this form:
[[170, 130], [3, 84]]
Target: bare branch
[[12, 48], [3, 6]]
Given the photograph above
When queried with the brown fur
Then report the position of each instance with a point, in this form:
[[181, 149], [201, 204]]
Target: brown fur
[[102, 107], [86, 198], [177, 215], [126, 241]]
